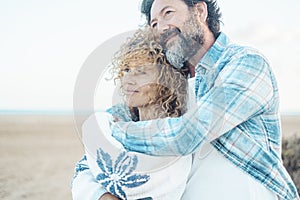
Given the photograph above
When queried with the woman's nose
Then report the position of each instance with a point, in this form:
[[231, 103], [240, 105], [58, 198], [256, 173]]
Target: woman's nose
[[128, 78]]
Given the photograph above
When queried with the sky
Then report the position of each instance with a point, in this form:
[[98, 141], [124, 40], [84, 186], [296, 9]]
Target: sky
[[44, 44]]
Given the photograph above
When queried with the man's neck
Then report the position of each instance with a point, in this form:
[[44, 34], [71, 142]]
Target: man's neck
[[209, 40]]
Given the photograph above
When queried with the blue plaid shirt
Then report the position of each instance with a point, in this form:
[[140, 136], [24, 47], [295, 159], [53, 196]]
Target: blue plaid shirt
[[237, 111]]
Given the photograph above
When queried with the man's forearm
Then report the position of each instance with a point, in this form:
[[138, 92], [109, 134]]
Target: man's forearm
[[230, 102]]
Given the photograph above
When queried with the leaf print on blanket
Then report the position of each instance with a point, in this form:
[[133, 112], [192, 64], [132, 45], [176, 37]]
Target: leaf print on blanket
[[115, 177]]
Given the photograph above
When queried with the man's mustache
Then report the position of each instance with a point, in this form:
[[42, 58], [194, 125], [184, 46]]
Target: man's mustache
[[164, 37]]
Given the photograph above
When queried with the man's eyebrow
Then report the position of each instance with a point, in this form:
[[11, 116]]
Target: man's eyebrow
[[161, 12]]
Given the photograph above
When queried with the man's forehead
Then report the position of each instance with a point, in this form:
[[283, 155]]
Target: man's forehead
[[159, 5]]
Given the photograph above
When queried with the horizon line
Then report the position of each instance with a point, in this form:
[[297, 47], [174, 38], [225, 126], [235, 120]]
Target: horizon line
[[71, 112]]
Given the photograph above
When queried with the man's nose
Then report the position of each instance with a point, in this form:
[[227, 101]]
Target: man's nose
[[162, 27]]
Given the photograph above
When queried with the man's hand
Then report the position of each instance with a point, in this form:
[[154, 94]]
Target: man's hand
[[108, 196]]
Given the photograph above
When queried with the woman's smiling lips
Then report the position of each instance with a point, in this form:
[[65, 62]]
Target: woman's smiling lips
[[130, 91]]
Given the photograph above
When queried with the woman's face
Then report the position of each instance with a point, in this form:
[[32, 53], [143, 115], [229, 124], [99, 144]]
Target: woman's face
[[140, 84]]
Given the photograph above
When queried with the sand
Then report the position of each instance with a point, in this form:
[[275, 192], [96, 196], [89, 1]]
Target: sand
[[38, 154]]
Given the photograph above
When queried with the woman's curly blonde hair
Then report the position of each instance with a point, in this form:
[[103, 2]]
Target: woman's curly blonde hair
[[144, 49]]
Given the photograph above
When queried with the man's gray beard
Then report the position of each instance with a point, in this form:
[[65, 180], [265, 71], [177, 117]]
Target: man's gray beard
[[187, 44], [176, 56]]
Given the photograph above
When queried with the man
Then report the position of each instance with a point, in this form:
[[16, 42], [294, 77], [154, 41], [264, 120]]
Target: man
[[234, 132]]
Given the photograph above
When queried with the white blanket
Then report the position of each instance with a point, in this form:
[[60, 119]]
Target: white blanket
[[131, 175]]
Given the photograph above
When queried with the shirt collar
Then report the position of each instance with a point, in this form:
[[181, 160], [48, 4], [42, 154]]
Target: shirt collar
[[212, 56]]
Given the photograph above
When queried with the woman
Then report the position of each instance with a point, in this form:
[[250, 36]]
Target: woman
[[152, 89]]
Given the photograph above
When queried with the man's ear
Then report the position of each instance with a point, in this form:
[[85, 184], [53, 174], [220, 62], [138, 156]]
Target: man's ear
[[201, 10]]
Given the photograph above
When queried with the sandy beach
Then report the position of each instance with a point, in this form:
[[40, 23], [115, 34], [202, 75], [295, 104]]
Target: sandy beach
[[38, 154]]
